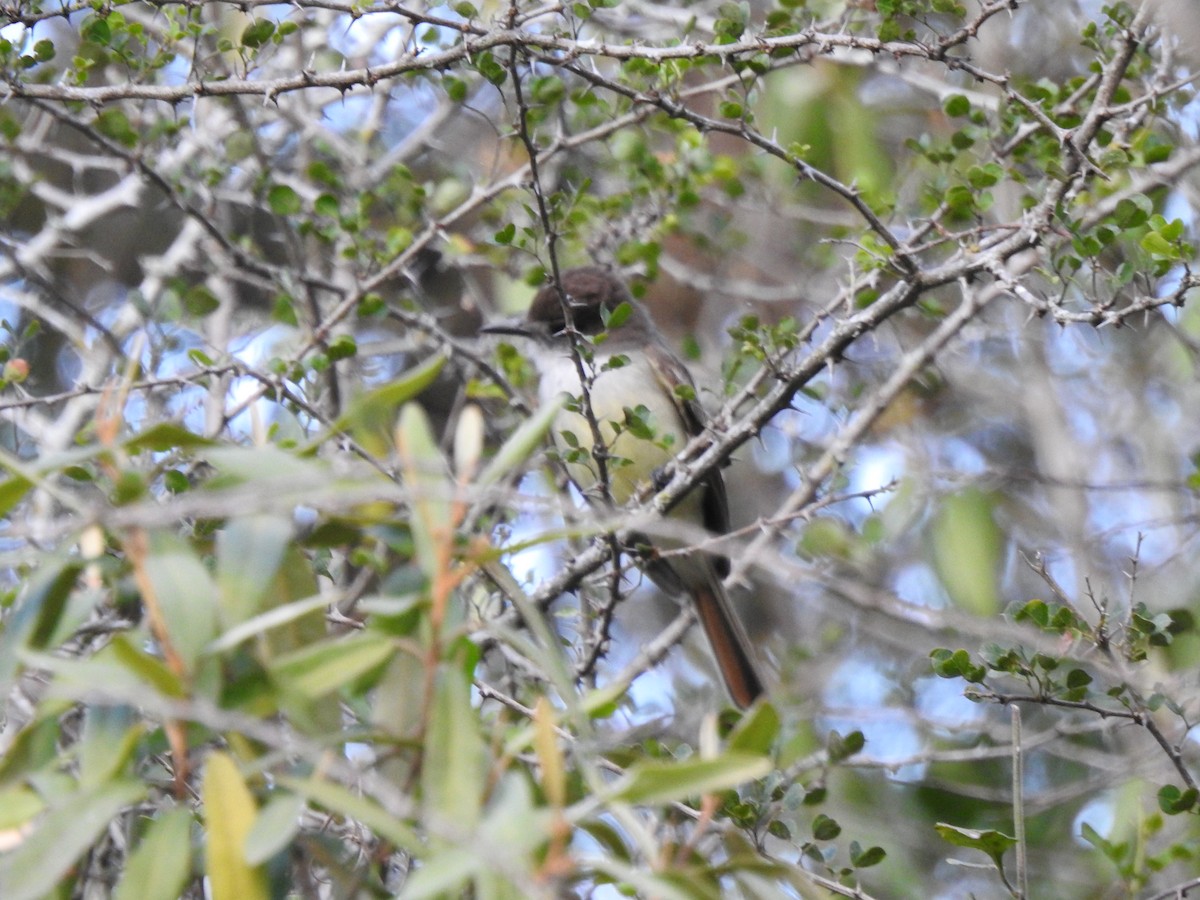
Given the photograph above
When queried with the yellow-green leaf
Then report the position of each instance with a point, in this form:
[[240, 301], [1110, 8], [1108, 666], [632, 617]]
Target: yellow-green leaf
[[229, 813]]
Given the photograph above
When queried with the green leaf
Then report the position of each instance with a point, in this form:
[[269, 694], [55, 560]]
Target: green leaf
[[46, 599], [1158, 246], [657, 781], [229, 813], [184, 592], [159, 867], [956, 664], [514, 824], [263, 467], [18, 806], [506, 234], [273, 828], [322, 668], [343, 346], [257, 33], [824, 828], [115, 124], [1133, 211], [110, 736], [1113, 852], [548, 89], [840, 748], [426, 476], [957, 105], [61, 837], [370, 418], [456, 88], [993, 843], [144, 666], [521, 444], [618, 316], [37, 614], [283, 201], [272, 618], [165, 436], [341, 801], [327, 205], [453, 774], [1173, 230], [444, 874], [967, 547], [756, 733], [12, 492], [199, 301], [862, 859], [250, 550], [1173, 801]]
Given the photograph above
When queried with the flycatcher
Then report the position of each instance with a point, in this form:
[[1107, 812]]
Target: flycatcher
[[643, 404]]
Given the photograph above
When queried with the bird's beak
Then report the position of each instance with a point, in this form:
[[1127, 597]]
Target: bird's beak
[[515, 326]]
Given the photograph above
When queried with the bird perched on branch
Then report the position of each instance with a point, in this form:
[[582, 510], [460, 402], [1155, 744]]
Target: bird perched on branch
[[630, 395]]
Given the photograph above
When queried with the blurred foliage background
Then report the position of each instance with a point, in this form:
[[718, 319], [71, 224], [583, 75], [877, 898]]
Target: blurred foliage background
[[294, 603]]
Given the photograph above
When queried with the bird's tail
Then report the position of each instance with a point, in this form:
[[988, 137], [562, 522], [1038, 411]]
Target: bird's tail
[[729, 642]]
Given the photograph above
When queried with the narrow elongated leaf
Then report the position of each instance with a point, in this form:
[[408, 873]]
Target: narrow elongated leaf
[[662, 782], [110, 734], [185, 593], [371, 417], [250, 551], [427, 480], [648, 884], [165, 436], [265, 622], [263, 467], [36, 616], [444, 874], [143, 665], [453, 771], [756, 732], [294, 582], [229, 813], [17, 806], [318, 670], [276, 825], [61, 837], [521, 444], [160, 865], [340, 801], [967, 544]]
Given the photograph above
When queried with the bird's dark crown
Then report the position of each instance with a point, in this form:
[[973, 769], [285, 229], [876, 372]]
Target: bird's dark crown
[[591, 292]]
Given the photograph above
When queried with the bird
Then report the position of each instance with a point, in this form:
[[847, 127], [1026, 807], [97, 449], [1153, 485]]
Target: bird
[[643, 405]]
